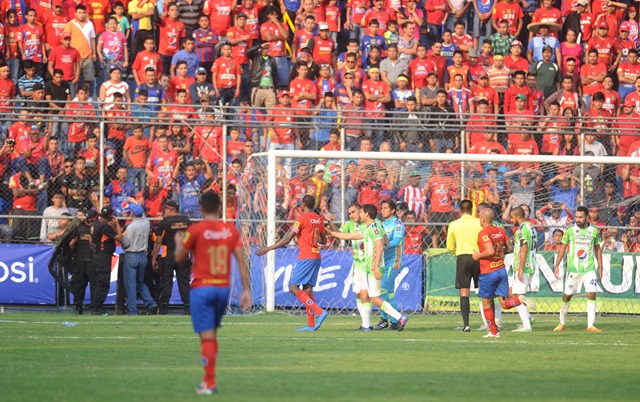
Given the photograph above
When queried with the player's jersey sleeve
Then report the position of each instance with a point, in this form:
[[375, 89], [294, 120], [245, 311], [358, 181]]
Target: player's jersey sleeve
[[298, 225], [190, 237], [566, 237], [348, 227], [397, 234], [597, 239], [525, 235]]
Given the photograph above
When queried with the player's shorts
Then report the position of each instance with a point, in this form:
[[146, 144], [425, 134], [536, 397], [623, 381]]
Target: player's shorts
[[494, 284], [388, 281], [517, 287], [466, 270], [440, 217], [208, 304], [359, 277], [575, 281], [306, 272], [374, 285]]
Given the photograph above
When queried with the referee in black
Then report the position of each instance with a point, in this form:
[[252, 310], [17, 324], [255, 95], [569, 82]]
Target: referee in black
[[462, 242], [83, 267]]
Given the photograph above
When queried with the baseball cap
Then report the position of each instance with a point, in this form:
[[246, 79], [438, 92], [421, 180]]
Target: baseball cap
[[154, 180], [284, 93], [241, 15], [171, 204], [374, 70], [521, 97], [56, 3], [201, 70], [625, 26], [623, 208], [431, 73], [65, 35], [205, 98], [516, 43], [323, 26], [628, 102], [483, 75], [472, 53], [93, 214], [38, 87], [319, 168], [583, 2], [593, 209], [106, 212], [90, 163], [348, 73], [603, 24], [547, 48], [136, 209], [415, 173]]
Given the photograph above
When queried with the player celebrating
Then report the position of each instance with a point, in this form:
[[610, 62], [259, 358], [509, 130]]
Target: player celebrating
[[371, 289], [524, 255], [493, 274], [309, 229], [583, 241], [211, 242], [394, 230], [354, 225]]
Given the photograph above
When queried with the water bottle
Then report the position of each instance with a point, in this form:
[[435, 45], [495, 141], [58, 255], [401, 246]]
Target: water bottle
[[70, 324]]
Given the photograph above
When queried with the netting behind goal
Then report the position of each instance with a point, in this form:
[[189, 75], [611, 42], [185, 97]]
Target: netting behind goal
[[427, 194]]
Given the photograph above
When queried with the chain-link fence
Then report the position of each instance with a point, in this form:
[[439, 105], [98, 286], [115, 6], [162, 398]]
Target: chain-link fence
[[91, 154]]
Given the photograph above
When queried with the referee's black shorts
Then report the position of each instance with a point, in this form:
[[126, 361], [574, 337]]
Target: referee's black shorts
[[466, 269]]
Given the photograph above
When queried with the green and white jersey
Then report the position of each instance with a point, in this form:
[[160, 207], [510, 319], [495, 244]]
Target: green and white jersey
[[581, 241], [526, 235], [358, 245], [372, 233]]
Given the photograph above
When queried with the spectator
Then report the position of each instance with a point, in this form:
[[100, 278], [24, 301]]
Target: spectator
[[442, 192], [136, 149], [119, 191], [556, 221], [51, 225], [555, 244], [66, 59], [145, 61], [29, 80], [83, 39], [264, 77], [444, 124], [187, 54], [276, 34], [162, 162], [171, 31], [502, 40], [112, 48], [547, 73], [483, 91], [538, 43], [189, 188], [24, 203]]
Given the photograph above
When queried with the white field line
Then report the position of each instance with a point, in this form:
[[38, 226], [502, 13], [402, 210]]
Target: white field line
[[359, 340]]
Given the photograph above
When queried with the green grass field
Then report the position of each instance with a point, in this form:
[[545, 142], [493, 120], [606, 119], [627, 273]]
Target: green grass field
[[262, 359]]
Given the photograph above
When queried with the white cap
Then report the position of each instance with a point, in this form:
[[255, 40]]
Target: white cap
[[319, 168], [323, 25]]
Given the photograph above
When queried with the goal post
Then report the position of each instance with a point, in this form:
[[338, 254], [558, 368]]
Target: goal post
[[311, 158]]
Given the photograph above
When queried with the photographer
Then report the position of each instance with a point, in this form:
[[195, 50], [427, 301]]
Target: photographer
[[106, 232]]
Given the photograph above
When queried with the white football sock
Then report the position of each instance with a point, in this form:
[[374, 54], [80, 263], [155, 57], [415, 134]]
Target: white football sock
[[497, 312], [591, 313], [365, 313], [523, 312], [388, 308], [484, 319], [564, 310]]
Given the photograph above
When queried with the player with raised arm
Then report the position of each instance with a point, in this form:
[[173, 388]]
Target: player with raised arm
[[211, 242], [583, 241], [394, 248], [309, 230], [354, 225], [524, 255], [373, 238], [494, 280]]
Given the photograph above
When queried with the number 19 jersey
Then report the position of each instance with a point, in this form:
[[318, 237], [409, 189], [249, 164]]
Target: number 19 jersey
[[211, 244], [581, 257], [373, 232]]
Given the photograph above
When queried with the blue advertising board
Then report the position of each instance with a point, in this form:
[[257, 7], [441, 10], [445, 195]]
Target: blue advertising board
[[24, 276]]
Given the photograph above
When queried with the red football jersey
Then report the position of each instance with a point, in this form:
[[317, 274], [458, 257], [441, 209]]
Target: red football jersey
[[211, 244], [308, 227], [498, 237]]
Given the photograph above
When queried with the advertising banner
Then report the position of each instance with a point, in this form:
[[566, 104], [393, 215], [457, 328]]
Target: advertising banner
[[333, 288], [617, 292], [24, 276]]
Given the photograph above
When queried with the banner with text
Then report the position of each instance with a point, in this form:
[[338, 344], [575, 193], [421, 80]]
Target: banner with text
[[334, 286], [24, 276], [618, 289]]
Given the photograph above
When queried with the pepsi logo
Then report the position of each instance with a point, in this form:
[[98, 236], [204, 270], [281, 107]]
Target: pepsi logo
[[582, 254]]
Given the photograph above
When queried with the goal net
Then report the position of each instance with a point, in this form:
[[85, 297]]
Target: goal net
[[427, 189]]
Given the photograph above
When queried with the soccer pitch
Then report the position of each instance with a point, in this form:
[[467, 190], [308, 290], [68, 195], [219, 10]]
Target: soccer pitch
[[261, 358]]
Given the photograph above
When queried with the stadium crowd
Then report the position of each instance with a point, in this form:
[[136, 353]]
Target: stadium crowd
[[516, 77]]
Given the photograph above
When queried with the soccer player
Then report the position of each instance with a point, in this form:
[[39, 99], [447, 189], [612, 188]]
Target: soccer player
[[211, 242], [373, 238], [524, 255], [462, 239], [493, 274], [583, 241], [309, 229], [394, 247], [354, 225]]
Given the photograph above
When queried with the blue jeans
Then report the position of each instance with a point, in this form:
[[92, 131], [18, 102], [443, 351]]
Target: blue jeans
[[14, 68], [134, 267], [283, 65], [137, 177]]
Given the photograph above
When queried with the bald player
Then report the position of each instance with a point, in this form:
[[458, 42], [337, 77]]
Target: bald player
[[493, 273]]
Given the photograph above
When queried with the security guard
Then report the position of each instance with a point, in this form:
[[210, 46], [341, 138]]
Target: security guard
[[172, 223], [81, 271], [106, 232]]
